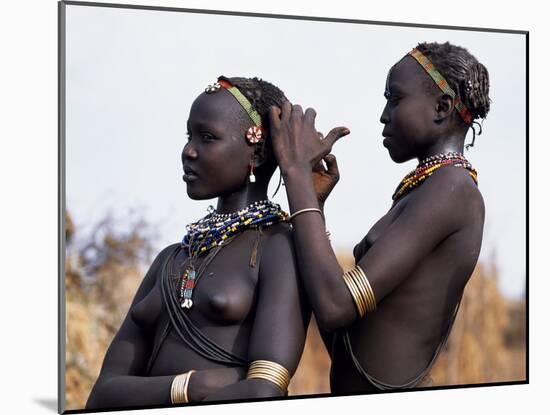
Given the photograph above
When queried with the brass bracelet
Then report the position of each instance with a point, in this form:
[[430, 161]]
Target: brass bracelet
[[186, 386], [299, 212], [361, 290], [271, 371], [364, 287], [357, 298], [178, 391]]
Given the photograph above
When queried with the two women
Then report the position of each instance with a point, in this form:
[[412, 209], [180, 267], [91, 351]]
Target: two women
[[222, 315]]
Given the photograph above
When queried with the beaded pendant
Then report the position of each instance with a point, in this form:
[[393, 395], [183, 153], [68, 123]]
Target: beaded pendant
[[187, 285]]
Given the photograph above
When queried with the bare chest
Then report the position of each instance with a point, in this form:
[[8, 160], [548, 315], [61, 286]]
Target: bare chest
[[224, 292], [378, 230]]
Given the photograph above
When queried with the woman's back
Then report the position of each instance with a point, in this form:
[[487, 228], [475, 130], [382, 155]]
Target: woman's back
[[397, 342]]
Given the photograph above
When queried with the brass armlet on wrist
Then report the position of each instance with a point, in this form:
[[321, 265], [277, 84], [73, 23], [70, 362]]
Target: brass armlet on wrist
[[271, 371], [360, 290], [180, 384]]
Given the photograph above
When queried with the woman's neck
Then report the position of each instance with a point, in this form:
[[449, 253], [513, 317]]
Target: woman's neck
[[238, 200], [453, 144]]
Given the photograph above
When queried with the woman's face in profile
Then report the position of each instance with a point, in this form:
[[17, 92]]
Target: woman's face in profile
[[216, 158], [408, 116]]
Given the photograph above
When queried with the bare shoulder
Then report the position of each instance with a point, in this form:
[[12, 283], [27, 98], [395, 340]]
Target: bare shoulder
[[448, 200], [277, 252], [160, 260], [279, 234], [165, 252], [455, 186]]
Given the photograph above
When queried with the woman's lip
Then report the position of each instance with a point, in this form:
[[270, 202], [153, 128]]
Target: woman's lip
[[189, 177]]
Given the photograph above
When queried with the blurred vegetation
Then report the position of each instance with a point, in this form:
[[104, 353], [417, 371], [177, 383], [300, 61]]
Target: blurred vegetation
[[102, 274], [487, 343]]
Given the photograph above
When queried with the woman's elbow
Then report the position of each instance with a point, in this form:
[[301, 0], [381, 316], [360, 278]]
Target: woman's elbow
[[99, 395], [333, 318], [260, 388]]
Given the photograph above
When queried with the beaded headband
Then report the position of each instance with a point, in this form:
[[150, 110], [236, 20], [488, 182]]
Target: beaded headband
[[442, 84], [255, 133]]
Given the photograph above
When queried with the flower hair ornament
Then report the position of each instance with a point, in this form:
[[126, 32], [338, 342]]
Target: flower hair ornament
[[254, 134]]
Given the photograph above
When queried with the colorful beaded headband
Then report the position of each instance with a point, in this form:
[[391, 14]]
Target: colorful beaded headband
[[442, 84], [254, 133]]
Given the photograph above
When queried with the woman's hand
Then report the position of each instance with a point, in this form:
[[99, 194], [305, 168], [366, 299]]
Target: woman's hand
[[324, 179], [296, 143]]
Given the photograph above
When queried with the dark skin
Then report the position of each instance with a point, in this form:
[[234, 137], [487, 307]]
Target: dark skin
[[418, 257], [255, 312]]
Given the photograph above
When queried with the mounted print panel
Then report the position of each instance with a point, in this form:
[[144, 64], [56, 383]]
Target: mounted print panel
[[202, 264]]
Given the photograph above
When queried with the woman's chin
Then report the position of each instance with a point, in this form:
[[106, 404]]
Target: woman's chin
[[398, 158], [194, 194]]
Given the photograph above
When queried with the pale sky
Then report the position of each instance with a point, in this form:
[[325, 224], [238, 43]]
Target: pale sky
[[133, 74]]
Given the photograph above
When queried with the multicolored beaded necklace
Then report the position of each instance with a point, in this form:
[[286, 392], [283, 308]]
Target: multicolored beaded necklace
[[427, 167], [216, 230]]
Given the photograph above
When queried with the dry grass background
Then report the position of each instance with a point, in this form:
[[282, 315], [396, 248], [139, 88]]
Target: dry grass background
[[487, 343]]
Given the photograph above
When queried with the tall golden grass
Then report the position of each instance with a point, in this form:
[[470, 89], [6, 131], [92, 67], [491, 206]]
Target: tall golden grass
[[487, 343]]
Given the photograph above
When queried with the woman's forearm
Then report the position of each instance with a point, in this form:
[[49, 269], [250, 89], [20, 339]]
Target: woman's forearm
[[126, 391], [204, 383], [320, 270], [247, 388]]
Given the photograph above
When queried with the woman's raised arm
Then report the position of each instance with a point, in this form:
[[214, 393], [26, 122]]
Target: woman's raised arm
[[411, 237]]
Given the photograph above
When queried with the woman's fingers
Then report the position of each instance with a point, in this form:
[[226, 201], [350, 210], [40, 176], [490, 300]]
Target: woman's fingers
[[332, 165], [334, 135], [309, 116], [286, 109], [275, 117], [297, 114], [319, 167]]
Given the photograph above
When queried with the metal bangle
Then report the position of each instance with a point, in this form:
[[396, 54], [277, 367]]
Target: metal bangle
[[178, 390], [186, 386], [299, 212], [271, 371], [361, 290]]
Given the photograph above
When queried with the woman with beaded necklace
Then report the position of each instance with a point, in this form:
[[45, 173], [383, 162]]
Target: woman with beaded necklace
[[220, 315], [385, 321]]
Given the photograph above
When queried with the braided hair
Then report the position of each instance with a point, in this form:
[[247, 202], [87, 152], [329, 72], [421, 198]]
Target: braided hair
[[262, 95], [465, 75]]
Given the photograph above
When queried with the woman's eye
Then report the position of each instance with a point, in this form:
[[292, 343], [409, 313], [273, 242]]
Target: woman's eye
[[188, 135], [393, 100], [207, 136]]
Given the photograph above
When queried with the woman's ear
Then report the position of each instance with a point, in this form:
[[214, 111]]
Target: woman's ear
[[443, 107], [259, 154]]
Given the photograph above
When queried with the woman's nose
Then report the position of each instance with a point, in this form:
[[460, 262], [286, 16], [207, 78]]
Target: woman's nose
[[189, 152], [384, 118]]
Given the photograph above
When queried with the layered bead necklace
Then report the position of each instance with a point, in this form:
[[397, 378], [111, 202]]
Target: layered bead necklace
[[427, 167], [216, 230]]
